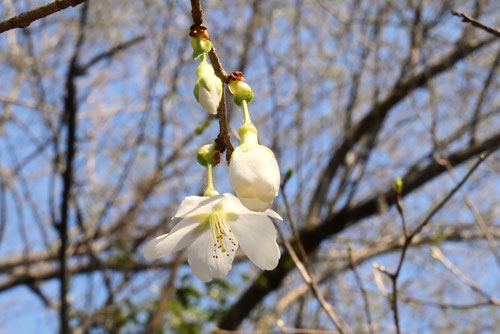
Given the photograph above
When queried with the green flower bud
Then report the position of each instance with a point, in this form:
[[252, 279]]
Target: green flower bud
[[398, 185], [206, 155], [241, 91]]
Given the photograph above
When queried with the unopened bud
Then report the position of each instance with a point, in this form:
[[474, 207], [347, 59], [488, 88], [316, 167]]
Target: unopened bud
[[239, 88], [206, 155], [398, 185]]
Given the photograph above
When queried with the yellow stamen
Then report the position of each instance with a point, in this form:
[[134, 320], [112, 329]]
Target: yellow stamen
[[218, 222]]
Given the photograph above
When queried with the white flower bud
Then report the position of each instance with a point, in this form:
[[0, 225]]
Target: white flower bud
[[254, 173], [208, 88]]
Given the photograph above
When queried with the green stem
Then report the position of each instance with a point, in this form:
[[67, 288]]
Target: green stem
[[246, 113], [203, 58], [210, 190]]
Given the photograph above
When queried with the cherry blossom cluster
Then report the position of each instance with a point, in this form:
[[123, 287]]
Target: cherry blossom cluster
[[213, 226]]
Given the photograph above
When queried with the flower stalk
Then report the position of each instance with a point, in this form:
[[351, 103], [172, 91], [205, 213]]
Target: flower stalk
[[247, 117], [210, 190]]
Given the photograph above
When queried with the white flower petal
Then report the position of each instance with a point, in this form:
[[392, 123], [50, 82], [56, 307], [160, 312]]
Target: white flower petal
[[193, 205], [255, 177], [179, 237], [256, 235], [209, 99], [272, 214], [207, 262], [234, 204], [255, 204]]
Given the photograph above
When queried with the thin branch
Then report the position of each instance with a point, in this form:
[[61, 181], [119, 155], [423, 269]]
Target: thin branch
[[386, 245], [476, 23], [156, 318], [361, 287], [409, 237], [305, 268], [474, 210], [438, 255], [112, 52], [25, 19], [309, 279], [70, 118]]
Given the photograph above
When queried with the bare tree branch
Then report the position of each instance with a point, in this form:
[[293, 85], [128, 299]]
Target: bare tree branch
[[476, 23], [25, 19]]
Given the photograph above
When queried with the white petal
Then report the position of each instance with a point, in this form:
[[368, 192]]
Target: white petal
[[208, 262], [255, 204], [272, 214], [256, 235], [193, 205], [234, 204], [179, 237], [209, 99], [255, 177]]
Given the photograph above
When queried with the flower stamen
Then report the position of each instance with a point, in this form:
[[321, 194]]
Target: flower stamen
[[218, 222]]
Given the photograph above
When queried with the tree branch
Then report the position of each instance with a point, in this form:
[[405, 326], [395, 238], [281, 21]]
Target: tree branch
[[476, 23], [25, 19]]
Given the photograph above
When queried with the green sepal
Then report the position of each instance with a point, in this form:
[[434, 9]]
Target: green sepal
[[238, 99], [201, 161], [204, 81], [200, 46], [218, 85], [195, 91]]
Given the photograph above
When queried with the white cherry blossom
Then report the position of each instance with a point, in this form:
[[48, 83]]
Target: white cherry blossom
[[212, 228]]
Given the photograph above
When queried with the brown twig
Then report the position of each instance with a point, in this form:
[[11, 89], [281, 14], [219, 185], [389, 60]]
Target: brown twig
[[476, 23], [223, 141], [25, 19]]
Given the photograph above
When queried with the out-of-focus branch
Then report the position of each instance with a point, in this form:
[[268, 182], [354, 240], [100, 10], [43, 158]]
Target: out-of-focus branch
[[70, 118], [305, 268], [338, 221], [385, 245], [155, 320], [438, 255], [409, 237], [112, 52], [476, 23], [377, 115], [25, 19], [359, 282], [48, 271], [309, 279]]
